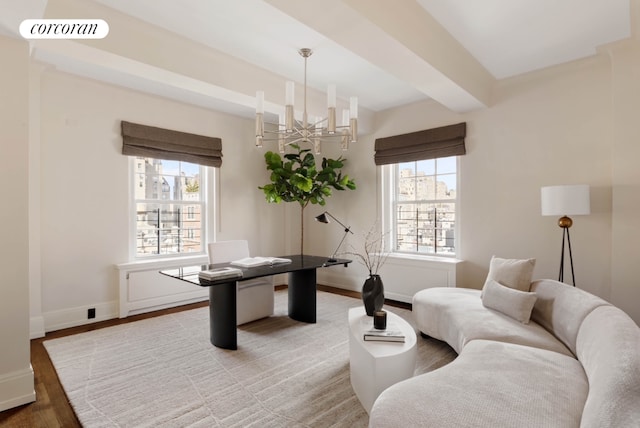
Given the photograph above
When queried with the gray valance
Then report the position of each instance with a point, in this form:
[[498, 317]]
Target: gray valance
[[428, 144], [149, 141]]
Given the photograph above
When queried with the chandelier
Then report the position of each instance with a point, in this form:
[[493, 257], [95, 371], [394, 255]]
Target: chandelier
[[312, 130]]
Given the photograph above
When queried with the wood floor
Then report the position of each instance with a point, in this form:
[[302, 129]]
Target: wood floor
[[51, 408]]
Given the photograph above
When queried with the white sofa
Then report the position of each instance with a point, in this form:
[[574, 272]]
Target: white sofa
[[575, 364]]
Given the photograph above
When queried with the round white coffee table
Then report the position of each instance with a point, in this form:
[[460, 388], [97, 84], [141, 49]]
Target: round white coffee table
[[376, 365]]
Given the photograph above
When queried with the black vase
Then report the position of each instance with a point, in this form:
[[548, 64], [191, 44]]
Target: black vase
[[373, 294]]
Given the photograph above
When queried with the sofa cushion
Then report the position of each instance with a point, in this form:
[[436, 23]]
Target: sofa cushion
[[608, 346], [512, 273], [490, 384], [457, 316], [514, 303], [561, 308]]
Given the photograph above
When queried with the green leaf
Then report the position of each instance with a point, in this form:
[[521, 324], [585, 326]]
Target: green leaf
[[334, 164], [272, 158], [308, 160], [301, 182]]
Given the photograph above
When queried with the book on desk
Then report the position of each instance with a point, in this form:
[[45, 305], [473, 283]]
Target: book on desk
[[220, 273], [259, 261]]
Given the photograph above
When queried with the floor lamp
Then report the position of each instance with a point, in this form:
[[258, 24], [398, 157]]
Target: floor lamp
[[564, 201], [322, 218]]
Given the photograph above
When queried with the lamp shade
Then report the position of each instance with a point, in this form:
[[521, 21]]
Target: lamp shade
[[322, 218], [565, 200]]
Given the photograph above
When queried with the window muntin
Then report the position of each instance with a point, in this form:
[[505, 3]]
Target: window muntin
[[170, 209], [424, 199]]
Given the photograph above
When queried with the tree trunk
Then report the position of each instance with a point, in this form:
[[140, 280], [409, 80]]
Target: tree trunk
[[301, 229]]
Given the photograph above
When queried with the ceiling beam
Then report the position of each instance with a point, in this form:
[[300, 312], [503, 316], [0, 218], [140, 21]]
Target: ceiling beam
[[401, 38]]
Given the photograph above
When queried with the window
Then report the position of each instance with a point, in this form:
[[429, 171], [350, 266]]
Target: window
[[423, 198], [170, 207]]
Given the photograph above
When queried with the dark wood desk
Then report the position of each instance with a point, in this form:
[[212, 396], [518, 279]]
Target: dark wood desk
[[223, 293]]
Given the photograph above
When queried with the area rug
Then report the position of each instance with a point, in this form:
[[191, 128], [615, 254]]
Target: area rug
[[164, 372]]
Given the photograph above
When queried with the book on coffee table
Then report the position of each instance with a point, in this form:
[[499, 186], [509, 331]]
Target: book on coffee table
[[387, 335]]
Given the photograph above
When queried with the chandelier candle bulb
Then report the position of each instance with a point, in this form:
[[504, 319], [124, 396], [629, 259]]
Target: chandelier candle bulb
[[354, 130], [346, 135], [259, 102], [331, 108], [281, 126], [259, 129], [289, 93], [331, 120], [288, 118], [331, 96], [353, 107], [344, 144], [317, 134]]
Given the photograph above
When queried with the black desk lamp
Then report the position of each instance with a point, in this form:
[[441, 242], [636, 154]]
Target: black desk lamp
[[322, 218]]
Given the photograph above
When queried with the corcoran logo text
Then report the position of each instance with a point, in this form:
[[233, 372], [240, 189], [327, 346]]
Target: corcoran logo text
[[64, 29]]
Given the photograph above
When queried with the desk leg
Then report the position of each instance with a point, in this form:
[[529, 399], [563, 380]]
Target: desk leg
[[222, 315], [302, 295]]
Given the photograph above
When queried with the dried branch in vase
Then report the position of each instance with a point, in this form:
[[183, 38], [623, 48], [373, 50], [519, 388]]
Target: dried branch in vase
[[373, 250]]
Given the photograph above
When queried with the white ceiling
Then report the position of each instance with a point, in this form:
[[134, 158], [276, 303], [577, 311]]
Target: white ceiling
[[511, 37], [387, 53]]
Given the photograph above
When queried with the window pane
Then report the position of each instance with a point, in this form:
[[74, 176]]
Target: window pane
[[447, 165], [165, 192], [407, 165], [406, 184], [147, 225], [426, 188], [446, 187], [427, 167], [190, 187]]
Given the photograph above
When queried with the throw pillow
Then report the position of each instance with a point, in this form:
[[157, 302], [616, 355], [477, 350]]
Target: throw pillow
[[512, 273], [513, 303]]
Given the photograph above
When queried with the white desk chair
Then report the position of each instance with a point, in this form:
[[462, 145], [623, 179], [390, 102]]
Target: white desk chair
[[255, 296]]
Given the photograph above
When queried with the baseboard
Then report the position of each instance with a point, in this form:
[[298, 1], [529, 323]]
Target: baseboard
[[16, 389], [154, 305], [72, 317], [398, 297], [36, 327]]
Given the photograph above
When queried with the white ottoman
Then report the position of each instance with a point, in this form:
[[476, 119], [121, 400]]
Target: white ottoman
[[374, 365]]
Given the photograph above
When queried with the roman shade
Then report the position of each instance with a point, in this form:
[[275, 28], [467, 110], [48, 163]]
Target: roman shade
[[428, 144], [159, 143]]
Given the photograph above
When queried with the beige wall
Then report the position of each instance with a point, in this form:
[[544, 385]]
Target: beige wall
[[16, 376]]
